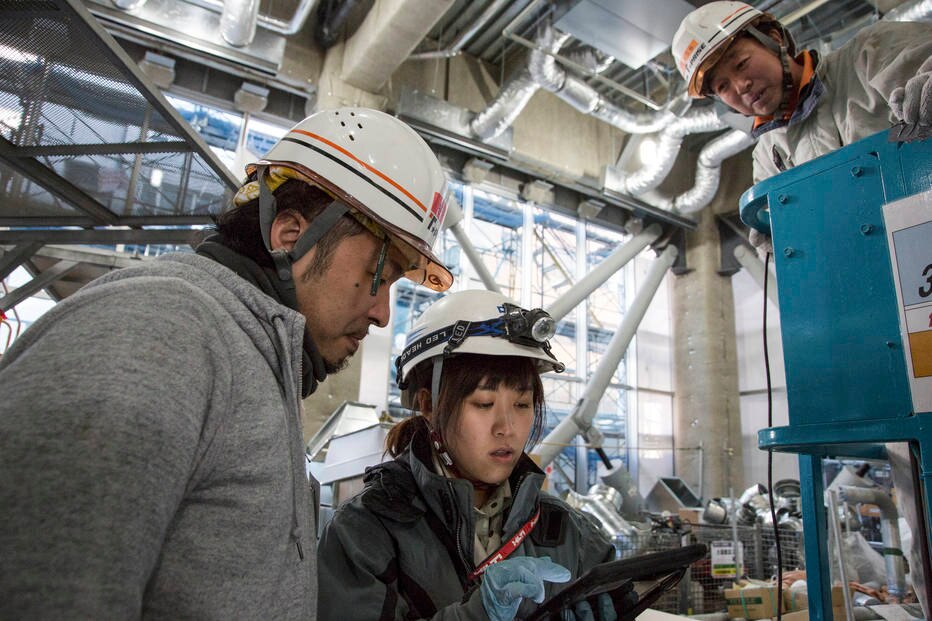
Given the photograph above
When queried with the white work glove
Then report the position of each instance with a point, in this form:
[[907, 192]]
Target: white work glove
[[912, 103], [761, 242]]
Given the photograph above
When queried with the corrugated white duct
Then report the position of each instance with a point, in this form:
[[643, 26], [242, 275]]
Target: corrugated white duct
[[543, 71], [918, 11], [668, 145], [708, 171], [506, 107], [574, 91]]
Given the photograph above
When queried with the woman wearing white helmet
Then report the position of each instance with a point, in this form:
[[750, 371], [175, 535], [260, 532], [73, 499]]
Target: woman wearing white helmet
[[456, 526], [799, 104]]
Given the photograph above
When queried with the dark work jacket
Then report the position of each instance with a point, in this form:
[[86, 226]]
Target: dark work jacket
[[402, 548]]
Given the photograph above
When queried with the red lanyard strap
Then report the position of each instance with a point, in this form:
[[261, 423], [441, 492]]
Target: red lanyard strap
[[507, 548]]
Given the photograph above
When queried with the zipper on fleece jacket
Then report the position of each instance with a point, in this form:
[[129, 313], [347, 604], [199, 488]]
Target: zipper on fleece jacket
[[291, 403]]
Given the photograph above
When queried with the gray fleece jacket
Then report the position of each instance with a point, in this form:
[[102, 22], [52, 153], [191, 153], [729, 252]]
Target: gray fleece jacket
[[151, 454]]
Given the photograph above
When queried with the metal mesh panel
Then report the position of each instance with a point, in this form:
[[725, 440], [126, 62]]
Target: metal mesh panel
[[701, 593], [70, 103], [23, 198], [65, 86]]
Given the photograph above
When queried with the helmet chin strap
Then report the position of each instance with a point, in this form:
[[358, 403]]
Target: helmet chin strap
[[282, 259], [435, 437]]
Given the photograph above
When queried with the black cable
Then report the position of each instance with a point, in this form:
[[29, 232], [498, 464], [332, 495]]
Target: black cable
[[604, 457], [773, 509]]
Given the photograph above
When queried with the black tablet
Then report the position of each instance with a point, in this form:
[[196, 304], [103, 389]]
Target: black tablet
[[618, 577]]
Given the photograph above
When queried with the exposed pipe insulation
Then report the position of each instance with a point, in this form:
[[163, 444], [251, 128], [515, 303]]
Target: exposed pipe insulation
[[501, 113], [511, 99], [238, 21], [668, 145], [574, 91], [708, 171], [889, 531], [918, 11]]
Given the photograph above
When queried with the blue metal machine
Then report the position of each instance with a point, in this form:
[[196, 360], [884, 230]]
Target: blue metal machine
[[847, 372]]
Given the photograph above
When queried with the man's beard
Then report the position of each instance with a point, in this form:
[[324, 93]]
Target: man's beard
[[336, 367]]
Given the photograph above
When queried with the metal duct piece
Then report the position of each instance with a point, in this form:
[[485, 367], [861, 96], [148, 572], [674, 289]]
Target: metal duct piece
[[574, 91], [603, 503], [708, 171], [893, 559], [511, 99], [917, 11], [619, 479], [238, 21], [652, 174], [506, 107]]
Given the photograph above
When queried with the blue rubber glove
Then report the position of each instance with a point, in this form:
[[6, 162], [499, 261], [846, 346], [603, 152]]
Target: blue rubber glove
[[582, 611], [507, 582]]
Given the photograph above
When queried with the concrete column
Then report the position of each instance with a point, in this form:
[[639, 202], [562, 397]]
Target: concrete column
[[706, 408]]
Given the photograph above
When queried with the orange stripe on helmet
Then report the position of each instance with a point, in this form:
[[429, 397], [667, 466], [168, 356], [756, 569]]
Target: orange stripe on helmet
[[372, 169]]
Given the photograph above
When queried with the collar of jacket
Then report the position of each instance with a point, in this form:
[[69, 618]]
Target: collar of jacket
[[313, 369], [452, 498], [810, 92]]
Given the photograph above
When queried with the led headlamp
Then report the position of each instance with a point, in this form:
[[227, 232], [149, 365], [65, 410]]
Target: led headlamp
[[528, 327], [531, 328]]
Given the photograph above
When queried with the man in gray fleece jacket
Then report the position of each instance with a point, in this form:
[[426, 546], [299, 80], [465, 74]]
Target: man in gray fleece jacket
[[151, 452]]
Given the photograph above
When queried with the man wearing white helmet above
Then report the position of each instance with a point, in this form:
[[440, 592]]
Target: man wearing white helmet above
[[801, 106], [797, 103], [150, 427], [456, 526]]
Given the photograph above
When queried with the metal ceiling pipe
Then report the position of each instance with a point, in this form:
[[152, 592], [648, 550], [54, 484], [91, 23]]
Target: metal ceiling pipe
[[463, 39], [917, 11], [128, 5], [574, 91], [708, 171], [580, 419], [652, 174], [330, 23], [893, 559], [238, 21], [293, 25]]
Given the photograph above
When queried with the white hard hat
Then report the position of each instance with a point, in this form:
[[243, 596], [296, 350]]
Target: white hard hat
[[479, 322], [705, 34], [380, 167]]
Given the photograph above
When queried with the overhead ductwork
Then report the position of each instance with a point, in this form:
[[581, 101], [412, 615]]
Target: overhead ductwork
[[279, 26], [708, 171], [917, 11], [653, 173], [543, 71], [551, 76]]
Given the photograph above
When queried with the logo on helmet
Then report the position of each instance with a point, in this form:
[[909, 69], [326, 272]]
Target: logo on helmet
[[438, 210]]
